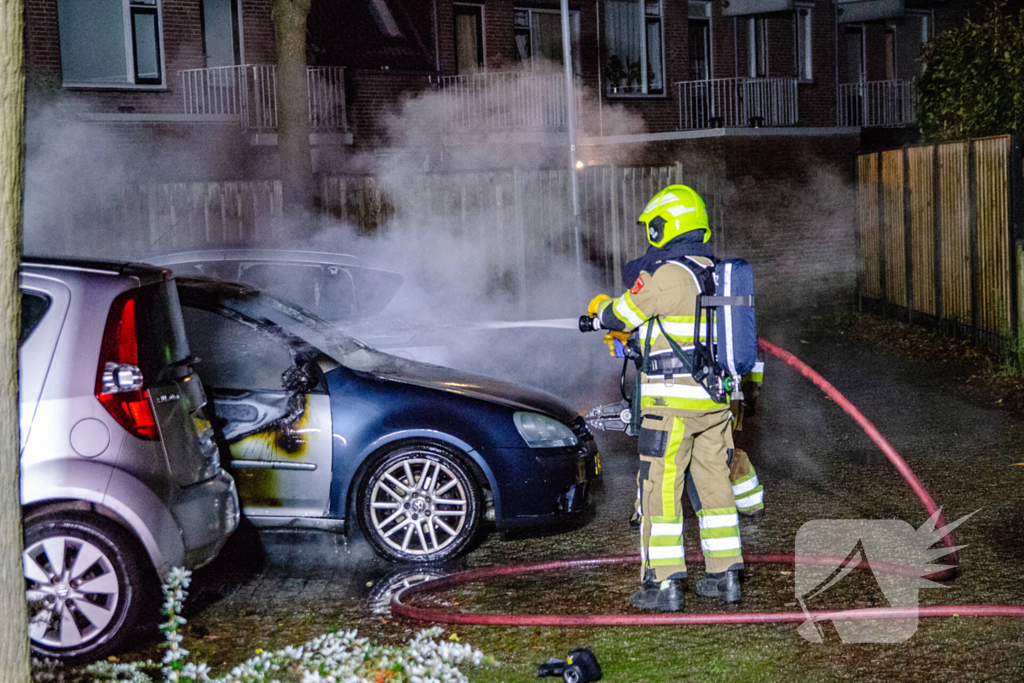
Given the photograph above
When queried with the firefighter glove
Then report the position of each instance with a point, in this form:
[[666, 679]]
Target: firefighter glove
[[616, 342], [595, 303]]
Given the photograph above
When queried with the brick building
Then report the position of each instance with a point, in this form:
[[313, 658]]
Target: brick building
[[205, 67]]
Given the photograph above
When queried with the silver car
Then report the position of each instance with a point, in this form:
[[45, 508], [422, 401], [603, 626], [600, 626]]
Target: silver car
[[120, 475]]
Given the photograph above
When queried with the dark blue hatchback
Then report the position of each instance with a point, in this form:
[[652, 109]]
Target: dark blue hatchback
[[319, 428]]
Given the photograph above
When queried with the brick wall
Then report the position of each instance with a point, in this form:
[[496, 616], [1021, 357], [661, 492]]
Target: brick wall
[[373, 95], [818, 97], [258, 42]]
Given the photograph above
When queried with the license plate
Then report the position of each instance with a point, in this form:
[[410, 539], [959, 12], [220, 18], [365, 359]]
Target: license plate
[[597, 463]]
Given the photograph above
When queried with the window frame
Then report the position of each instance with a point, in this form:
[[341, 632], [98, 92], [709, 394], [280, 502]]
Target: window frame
[[482, 52], [642, 6], [803, 55], [574, 15], [130, 51], [757, 23]]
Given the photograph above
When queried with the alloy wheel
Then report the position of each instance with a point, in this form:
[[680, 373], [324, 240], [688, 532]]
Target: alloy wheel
[[72, 591], [419, 506]]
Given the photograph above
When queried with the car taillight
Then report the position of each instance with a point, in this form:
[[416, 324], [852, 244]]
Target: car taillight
[[120, 386]]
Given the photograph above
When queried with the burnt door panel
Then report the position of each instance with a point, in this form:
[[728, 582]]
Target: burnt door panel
[[273, 420]]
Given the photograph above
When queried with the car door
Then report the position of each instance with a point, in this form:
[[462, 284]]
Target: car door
[[271, 410]]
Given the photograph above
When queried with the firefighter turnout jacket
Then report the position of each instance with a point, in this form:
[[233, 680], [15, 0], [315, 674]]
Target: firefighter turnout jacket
[[682, 429]]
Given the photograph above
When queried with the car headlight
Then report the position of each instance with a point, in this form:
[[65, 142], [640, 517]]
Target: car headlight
[[541, 431]]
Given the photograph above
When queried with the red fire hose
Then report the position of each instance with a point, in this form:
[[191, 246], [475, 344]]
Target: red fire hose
[[442, 616]]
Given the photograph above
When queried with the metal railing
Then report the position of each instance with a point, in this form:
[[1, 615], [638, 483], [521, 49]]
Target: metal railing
[[506, 100], [735, 102], [877, 103], [249, 91]]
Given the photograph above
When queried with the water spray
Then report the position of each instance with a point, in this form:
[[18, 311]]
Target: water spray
[[444, 616], [550, 323]]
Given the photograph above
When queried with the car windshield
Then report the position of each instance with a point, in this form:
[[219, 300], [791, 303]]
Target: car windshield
[[299, 322]]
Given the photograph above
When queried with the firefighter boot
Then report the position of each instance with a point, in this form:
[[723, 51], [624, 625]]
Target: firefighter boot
[[724, 585], [666, 596]]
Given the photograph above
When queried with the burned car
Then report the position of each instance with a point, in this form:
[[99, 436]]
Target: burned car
[[322, 430]]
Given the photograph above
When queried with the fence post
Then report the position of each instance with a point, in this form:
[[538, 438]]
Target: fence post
[[972, 223], [908, 245], [937, 227], [614, 184], [517, 199], [883, 289], [1017, 236]]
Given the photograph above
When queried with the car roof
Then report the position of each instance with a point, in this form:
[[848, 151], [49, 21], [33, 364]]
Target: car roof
[[280, 255], [217, 289], [142, 270]]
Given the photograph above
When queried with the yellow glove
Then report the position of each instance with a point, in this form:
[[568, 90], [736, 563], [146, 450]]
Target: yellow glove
[[612, 336], [595, 303]]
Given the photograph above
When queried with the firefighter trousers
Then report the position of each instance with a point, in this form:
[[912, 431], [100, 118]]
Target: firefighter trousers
[[673, 442], [745, 486]]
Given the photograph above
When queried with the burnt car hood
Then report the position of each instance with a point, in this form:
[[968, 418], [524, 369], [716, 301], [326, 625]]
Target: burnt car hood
[[476, 386]]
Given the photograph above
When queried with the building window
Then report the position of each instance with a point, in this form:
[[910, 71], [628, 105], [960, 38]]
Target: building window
[[110, 43], [890, 53], [757, 46], [469, 38], [700, 40], [803, 61], [221, 41], [911, 35], [538, 36], [633, 39], [852, 64]]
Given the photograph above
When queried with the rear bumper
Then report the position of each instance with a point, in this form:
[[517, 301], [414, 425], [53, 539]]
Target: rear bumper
[[207, 513]]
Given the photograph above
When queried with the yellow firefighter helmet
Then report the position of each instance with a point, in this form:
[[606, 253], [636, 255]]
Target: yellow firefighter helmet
[[671, 212]]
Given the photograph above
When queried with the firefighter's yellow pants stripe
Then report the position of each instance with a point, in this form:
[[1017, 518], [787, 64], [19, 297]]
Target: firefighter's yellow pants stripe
[[668, 482], [719, 532], [749, 492]]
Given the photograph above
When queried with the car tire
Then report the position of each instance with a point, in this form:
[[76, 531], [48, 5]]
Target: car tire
[[419, 503], [64, 553]]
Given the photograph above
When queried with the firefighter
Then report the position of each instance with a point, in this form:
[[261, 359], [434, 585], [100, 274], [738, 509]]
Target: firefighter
[[681, 428]]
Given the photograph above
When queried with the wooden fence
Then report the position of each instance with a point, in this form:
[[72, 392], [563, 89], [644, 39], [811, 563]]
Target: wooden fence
[[941, 236], [522, 220]]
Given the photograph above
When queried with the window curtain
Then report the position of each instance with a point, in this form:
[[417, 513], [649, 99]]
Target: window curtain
[[624, 37]]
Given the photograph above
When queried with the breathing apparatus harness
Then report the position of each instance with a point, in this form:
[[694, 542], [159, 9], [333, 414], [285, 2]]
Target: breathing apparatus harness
[[701, 363]]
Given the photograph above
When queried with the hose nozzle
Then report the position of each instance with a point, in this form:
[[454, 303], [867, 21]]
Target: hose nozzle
[[588, 324]]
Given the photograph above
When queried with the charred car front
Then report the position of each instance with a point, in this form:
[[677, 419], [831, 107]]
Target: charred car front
[[321, 430]]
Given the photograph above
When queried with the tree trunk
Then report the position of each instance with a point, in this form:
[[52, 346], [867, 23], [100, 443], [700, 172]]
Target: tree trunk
[[293, 109], [14, 624]]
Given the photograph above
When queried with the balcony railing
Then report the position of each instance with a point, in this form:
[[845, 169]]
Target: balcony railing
[[505, 101], [735, 102], [878, 103], [249, 91]]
